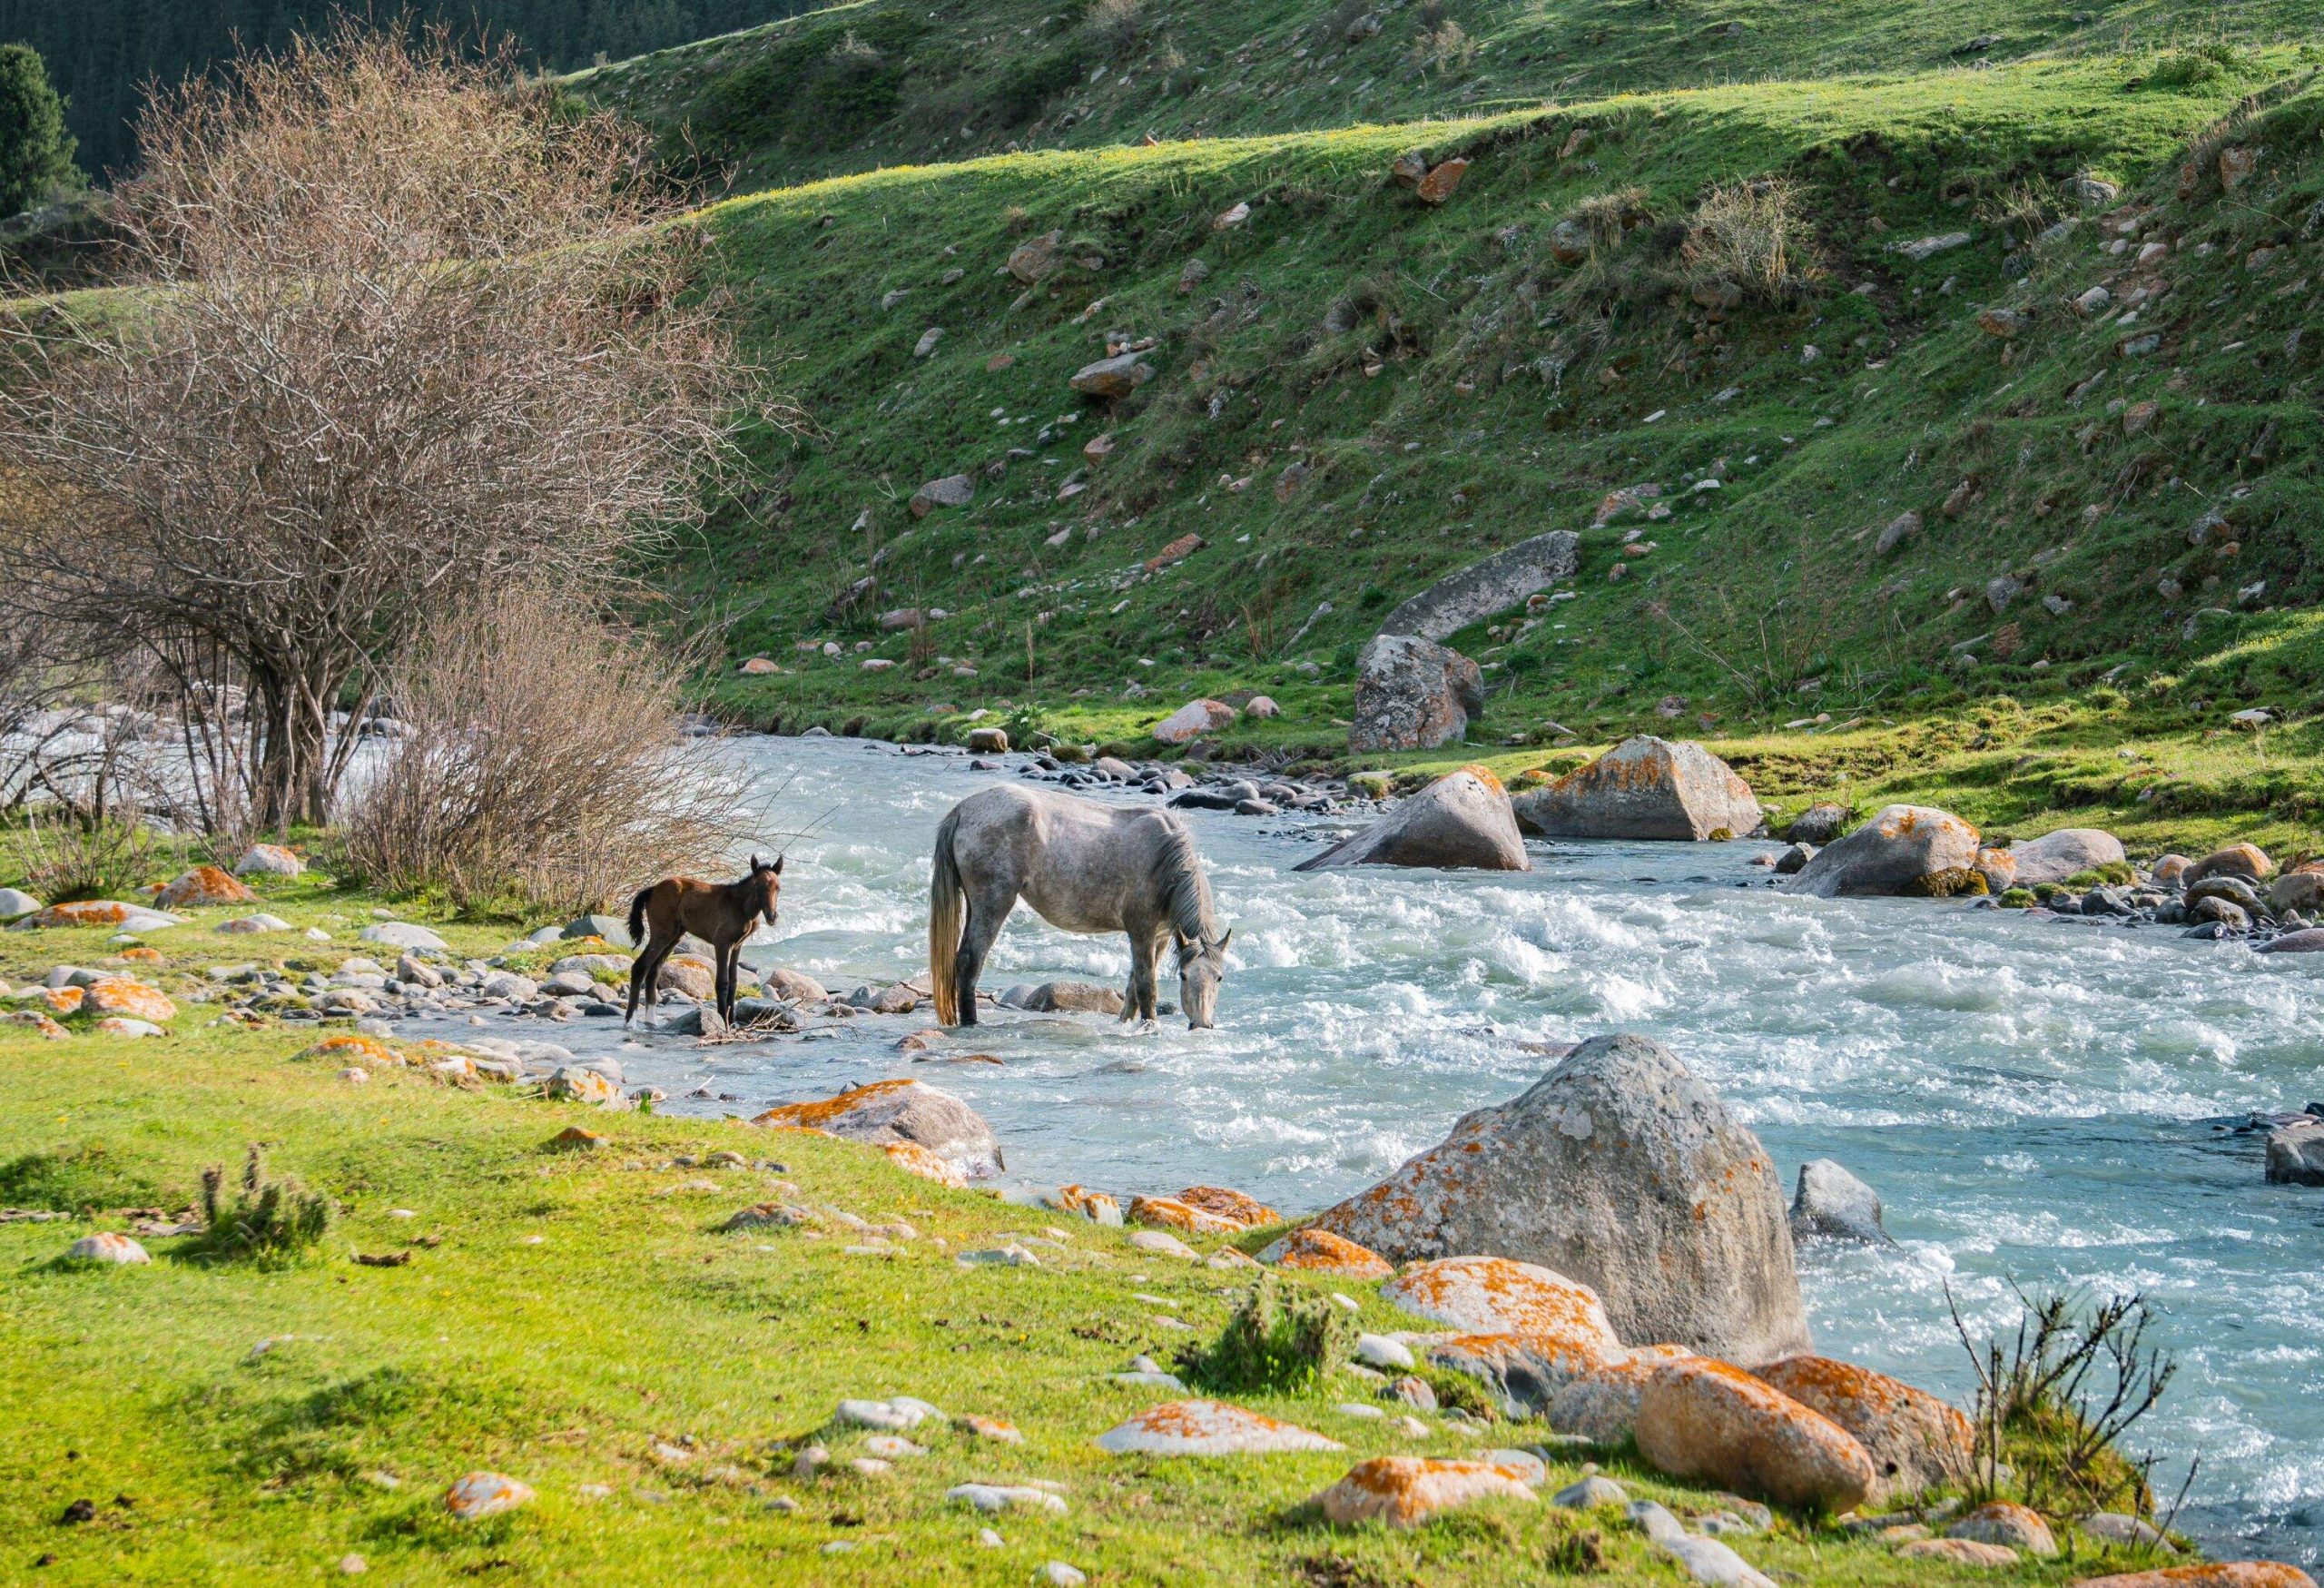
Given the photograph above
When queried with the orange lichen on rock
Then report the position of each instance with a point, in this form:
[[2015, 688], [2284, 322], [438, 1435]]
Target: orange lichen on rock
[[1169, 1213], [913, 1158], [1320, 1252], [1599, 1401], [815, 1115], [1703, 1419], [1915, 1441], [82, 913], [62, 1000], [1405, 1491], [351, 1047], [119, 995], [204, 884], [1498, 1296], [1200, 1428], [2210, 1575], [1248, 1212], [1095, 1206]]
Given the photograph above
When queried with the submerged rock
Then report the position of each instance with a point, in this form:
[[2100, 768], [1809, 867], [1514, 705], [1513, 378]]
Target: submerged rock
[[1645, 788], [1463, 820], [1622, 1169]]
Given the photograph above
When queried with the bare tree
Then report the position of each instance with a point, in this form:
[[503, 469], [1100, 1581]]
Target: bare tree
[[403, 327]]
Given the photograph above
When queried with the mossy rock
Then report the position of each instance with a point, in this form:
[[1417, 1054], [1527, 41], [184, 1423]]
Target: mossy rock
[[1951, 883], [2017, 899], [2113, 873], [1370, 785]]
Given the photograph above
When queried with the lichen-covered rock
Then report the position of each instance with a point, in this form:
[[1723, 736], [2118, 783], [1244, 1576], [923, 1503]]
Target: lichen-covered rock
[[2209, 1574], [915, 1159], [351, 1047], [572, 1083], [1526, 1369], [1405, 1491], [1646, 788], [2056, 856], [2006, 1522], [1463, 820], [1958, 1552], [94, 913], [1169, 1213], [1319, 1251], [952, 490], [1699, 1418], [1412, 693], [269, 860], [1915, 1441], [105, 1247], [1623, 1170], [1600, 1403], [2247, 861], [1200, 1427], [484, 1493], [204, 885], [1246, 1210], [134, 1000], [1500, 1295], [887, 1111], [1096, 1207], [1896, 852]]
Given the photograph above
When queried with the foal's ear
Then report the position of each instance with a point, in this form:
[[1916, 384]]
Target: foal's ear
[[777, 867], [756, 863]]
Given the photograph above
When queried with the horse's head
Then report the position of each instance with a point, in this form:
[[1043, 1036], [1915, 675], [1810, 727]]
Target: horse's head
[[1201, 967], [764, 884]]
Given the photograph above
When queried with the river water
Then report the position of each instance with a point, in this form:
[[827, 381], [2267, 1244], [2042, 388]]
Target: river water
[[2035, 1099]]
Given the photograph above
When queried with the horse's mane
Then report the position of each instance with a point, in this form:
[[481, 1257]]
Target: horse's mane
[[1185, 892]]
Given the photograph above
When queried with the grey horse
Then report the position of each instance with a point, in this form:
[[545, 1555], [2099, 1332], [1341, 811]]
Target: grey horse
[[1082, 866]]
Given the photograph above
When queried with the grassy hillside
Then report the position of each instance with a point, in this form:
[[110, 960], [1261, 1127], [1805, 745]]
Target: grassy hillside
[[1365, 392]]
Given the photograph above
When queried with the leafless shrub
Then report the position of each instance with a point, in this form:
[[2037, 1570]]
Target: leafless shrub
[[1445, 47], [403, 326], [541, 764], [1750, 233], [2056, 1396], [68, 855], [2024, 209]]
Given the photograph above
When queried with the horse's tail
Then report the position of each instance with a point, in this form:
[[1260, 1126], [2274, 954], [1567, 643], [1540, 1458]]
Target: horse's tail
[[637, 917], [947, 909]]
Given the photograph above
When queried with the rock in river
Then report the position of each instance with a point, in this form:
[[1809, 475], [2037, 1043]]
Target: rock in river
[[1622, 1169], [2296, 1154], [1461, 820], [1645, 787], [889, 1111], [1905, 849], [1412, 693], [2056, 856], [1830, 1204]]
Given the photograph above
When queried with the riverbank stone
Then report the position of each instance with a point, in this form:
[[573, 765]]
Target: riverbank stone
[[2056, 856], [1412, 693], [2005, 1523], [887, 1111], [1620, 1170], [1699, 1418], [1902, 850], [1206, 1428], [1916, 1441], [1405, 1491]]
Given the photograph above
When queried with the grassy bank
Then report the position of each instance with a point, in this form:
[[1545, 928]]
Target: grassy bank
[[577, 1320]]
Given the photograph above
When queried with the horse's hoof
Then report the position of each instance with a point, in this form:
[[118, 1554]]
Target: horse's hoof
[[1148, 1028]]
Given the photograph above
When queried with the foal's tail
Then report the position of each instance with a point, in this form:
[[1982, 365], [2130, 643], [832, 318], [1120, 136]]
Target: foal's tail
[[947, 907], [637, 917]]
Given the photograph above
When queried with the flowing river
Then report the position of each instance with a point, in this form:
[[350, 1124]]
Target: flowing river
[[2037, 1101]]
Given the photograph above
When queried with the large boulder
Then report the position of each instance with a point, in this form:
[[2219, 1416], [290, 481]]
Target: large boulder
[[2296, 1154], [204, 885], [1705, 1419], [1915, 1441], [1905, 849], [1645, 787], [1830, 1204], [2247, 861], [1623, 1170], [1496, 584], [887, 1111], [2056, 856], [1193, 720], [1461, 820], [1412, 693]]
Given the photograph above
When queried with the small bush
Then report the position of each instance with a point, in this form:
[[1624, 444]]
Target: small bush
[[69, 856], [1752, 235], [1445, 47], [1113, 28], [543, 764], [1273, 1343], [1027, 84], [270, 1216]]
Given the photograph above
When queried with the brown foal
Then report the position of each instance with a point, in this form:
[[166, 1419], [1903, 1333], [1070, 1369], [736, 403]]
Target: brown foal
[[720, 913]]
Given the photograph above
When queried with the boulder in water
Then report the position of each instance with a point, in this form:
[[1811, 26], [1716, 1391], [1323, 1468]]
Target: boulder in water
[[1623, 1170], [1905, 849], [2296, 1154], [1645, 787], [1461, 820], [1830, 1204], [1412, 693], [2056, 856], [2247, 861], [1073, 998], [886, 1111], [1818, 825]]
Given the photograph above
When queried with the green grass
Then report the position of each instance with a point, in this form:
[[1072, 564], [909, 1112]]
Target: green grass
[[570, 1318]]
